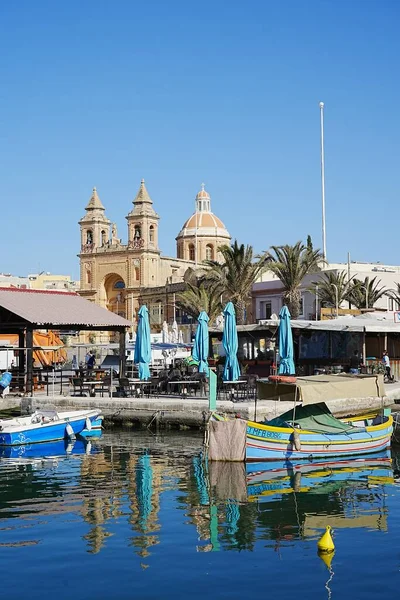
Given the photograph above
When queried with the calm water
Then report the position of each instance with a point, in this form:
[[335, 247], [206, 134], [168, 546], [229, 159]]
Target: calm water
[[139, 516]]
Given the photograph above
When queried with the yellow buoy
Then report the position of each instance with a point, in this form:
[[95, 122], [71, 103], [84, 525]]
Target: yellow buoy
[[325, 543]]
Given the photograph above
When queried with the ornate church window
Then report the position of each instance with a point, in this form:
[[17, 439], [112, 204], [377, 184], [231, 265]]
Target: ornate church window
[[103, 237], [191, 252], [151, 233], [209, 252], [119, 285], [138, 232], [89, 236]]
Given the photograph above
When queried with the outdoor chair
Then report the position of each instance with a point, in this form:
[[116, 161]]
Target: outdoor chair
[[200, 385], [153, 387], [124, 388], [105, 387], [79, 386], [252, 387]]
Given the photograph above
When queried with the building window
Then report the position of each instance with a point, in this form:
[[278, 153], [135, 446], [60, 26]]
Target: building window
[[138, 232], [151, 233], [301, 313], [209, 252], [267, 310], [191, 252], [119, 285], [137, 274], [103, 238], [89, 236]]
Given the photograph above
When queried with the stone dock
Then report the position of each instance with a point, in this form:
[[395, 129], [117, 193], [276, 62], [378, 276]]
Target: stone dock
[[189, 412]]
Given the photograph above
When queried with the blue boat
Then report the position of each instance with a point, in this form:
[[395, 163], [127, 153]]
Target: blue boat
[[95, 429], [46, 426]]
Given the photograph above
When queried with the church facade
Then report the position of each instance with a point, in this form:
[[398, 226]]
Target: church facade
[[121, 276]]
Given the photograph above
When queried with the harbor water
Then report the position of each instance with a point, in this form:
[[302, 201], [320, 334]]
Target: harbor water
[[137, 515]]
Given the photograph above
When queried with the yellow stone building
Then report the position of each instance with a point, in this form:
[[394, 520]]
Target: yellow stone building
[[122, 276]]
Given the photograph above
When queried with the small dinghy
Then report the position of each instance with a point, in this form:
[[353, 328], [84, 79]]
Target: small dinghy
[[46, 426]]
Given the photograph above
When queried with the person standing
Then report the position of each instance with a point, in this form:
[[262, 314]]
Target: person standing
[[386, 362], [355, 363], [91, 361]]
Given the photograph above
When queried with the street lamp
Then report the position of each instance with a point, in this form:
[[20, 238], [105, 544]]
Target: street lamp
[[336, 298]]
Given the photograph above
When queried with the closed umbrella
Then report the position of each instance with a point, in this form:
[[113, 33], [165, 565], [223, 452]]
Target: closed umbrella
[[174, 333], [286, 364], [230, 344], [200, 347], [165, 333], [142, 355]]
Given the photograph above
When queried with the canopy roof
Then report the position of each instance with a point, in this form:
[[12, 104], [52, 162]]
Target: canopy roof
[[48, 309]]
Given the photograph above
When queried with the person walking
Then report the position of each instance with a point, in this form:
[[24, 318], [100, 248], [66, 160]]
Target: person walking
[[386, 363], [355, 363]]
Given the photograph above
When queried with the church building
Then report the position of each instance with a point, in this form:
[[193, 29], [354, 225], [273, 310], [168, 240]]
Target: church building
[[121, 276]]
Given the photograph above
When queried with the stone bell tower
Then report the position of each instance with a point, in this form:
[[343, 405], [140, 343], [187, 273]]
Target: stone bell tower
[[95, 227]]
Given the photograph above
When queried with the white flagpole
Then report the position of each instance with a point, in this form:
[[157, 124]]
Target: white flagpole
[[321, 106]]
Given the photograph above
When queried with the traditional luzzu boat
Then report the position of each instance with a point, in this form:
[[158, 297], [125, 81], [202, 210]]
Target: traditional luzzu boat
[[46, 426], [309, 430], [313, 432]]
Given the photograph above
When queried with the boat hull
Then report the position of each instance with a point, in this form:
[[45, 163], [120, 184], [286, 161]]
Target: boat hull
[[264, 442], [16, 432]]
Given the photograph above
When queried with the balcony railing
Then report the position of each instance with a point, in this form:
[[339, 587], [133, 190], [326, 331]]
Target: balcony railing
[[136, 244]]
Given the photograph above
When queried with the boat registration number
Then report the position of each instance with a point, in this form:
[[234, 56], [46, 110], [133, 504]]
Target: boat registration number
[[263, 433]]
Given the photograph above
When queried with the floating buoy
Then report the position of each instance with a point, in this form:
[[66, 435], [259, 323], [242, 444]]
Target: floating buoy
[[325, 543]]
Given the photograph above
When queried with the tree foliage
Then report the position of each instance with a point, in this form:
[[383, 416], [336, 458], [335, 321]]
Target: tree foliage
[[291, 264], [235, 275], [365, 294], [204, 296], [332, 284]]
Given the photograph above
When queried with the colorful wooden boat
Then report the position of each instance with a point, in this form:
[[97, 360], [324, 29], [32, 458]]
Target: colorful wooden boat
[[46, 426], [313, 432]]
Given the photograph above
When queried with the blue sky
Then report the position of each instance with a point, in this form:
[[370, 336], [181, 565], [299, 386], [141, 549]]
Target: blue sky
[[101, 93]]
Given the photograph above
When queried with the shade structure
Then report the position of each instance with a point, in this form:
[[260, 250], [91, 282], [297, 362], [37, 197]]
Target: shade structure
[[230, 344], [286, 364], [201, 344], [142, 356]]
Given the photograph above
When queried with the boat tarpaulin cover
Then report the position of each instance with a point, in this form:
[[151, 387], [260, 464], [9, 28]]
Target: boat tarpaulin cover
[[316, 417], [321, 388], [227, 440]]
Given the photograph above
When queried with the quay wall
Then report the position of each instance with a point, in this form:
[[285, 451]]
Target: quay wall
[[190, 412]]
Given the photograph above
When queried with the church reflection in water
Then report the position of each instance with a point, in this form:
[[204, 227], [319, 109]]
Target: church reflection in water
[[122, 489]]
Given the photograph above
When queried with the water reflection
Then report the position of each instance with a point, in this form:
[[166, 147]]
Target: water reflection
[[115, 487]]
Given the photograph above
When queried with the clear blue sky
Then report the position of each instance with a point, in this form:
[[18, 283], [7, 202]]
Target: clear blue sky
[[104, 93]]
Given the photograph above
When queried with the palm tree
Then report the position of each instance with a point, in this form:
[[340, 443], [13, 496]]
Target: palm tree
[[291, 264], [201, 297], [395, 294], [333, 288], [364, 294], [235, 276]]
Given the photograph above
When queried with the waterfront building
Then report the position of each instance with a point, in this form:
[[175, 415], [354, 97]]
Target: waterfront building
[[121, 275], [267, 293]]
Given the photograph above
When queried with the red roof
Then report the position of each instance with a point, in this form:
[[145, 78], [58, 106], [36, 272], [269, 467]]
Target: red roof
[[48, 308]]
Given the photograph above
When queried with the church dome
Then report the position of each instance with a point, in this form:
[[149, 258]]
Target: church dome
[[203, 222]]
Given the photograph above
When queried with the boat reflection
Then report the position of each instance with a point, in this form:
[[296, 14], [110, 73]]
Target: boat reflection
[[285, 501], [46, 450]]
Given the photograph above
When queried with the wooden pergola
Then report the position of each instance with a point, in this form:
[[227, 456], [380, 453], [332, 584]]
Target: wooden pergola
[[24, 311]]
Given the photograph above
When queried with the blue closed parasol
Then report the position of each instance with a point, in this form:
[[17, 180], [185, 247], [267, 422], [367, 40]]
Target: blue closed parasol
[[286, 363], [230, 344], [201, 344], [142, 355]]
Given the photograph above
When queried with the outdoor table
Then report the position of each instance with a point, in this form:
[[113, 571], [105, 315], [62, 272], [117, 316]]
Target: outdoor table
[[233, 386], [140, 383], [183, 382], [92, 384]]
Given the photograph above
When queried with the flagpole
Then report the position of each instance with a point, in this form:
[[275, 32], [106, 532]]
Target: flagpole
[[195, 233], [321, 106]]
